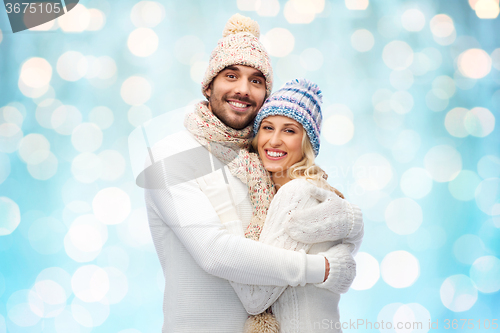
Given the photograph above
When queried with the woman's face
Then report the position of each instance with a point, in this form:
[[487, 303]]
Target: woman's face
[[279, 143]]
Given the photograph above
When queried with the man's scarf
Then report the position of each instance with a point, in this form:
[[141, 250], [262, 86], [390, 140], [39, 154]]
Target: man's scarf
[[230, 146]]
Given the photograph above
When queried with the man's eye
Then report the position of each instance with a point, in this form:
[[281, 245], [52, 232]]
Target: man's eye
[[257, 81], [231, 76]]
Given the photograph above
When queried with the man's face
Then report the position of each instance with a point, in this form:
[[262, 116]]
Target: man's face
[[236, 95]]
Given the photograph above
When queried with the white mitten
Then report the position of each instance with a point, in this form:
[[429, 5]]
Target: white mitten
[[332, 219], [342, 268], [217, 191]]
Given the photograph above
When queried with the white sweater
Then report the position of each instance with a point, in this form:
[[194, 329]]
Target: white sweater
[[199, 255], [306, 308]]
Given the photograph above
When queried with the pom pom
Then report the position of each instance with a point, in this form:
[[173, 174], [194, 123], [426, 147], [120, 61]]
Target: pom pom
[[307, 85], [239, 23], [262, 323]]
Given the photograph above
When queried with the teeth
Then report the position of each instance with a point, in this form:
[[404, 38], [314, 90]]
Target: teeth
[[238, 105], [274, 154]]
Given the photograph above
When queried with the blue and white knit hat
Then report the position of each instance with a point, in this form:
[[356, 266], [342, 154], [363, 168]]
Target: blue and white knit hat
[[299, 99]]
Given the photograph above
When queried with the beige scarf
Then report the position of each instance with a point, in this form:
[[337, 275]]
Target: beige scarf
[[230, 146]]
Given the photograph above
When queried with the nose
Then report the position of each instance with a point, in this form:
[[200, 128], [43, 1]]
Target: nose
[[275, 140], [243, 88]]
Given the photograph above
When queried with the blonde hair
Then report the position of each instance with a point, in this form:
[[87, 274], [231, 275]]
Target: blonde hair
[[306, 168]]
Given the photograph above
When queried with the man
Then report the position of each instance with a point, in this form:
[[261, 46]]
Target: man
[[198, 254]]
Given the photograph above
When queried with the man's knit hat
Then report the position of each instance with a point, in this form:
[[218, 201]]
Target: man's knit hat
[[299, 99], [239, 45]]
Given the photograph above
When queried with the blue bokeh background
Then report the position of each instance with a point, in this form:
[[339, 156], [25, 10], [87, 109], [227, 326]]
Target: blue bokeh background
[[411, 95]]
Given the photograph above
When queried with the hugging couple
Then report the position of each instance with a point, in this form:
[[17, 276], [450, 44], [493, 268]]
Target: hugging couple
[[261, 243]]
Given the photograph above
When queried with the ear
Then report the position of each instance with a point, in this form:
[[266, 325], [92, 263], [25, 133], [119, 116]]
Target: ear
[[209, 90]]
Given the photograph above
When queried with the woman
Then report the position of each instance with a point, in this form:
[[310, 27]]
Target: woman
[[287, 130]]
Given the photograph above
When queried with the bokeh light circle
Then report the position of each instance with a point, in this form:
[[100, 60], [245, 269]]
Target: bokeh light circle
[[413, 20], [463, 187], [458, 293], [76, 20], [89, 314], [279, 42], [468, 248], [372, 171], [311, 59], [36, 72], [86, 137], [72, 66], [397, 55], [147, 14], [111, 205], [47, 299], [10, 137], [400, 269], [118, 285], [4, 167], [403, 216], [488, 196], [10, 216], [137, 115], [189, 49], [86, 167], [136, 90], [113, 164], [479, 122], [90, 283], [45, 169], [367, 271], [454, 122], [142, 42], [338, 129], [489, 166], [484, 273], [474, 63], [30, 145], [65, 118], [101, 116], [362, 40], [442, 26], [443, 163]]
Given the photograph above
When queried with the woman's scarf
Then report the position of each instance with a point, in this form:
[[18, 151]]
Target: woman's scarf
[[230, 146]]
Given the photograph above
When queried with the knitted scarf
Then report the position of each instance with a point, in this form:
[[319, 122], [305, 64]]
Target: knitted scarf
[[230, 146]]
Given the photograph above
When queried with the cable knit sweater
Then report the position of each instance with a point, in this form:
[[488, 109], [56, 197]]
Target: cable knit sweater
[[309, 308]]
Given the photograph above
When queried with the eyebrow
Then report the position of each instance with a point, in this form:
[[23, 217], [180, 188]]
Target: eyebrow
[[285, 124], [236, 69]]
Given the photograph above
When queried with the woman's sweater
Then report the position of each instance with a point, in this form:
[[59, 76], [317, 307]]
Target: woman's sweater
[[308, 308]]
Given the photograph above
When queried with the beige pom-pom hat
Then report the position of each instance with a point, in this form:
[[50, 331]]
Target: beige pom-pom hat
[[239, 45]]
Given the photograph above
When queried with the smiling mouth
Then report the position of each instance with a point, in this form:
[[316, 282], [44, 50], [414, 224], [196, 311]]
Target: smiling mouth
[[274, 155], [238, 106]]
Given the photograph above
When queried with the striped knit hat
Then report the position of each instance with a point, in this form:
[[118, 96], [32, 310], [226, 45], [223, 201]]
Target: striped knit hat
[[299, 99], [239, 45]]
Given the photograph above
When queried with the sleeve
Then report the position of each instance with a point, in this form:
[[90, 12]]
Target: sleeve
[[188, 213]]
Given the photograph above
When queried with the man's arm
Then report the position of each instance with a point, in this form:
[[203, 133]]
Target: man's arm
[[188, 212]]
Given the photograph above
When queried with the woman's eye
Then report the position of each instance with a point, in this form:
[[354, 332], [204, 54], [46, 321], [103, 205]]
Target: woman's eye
[[290, 130]]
